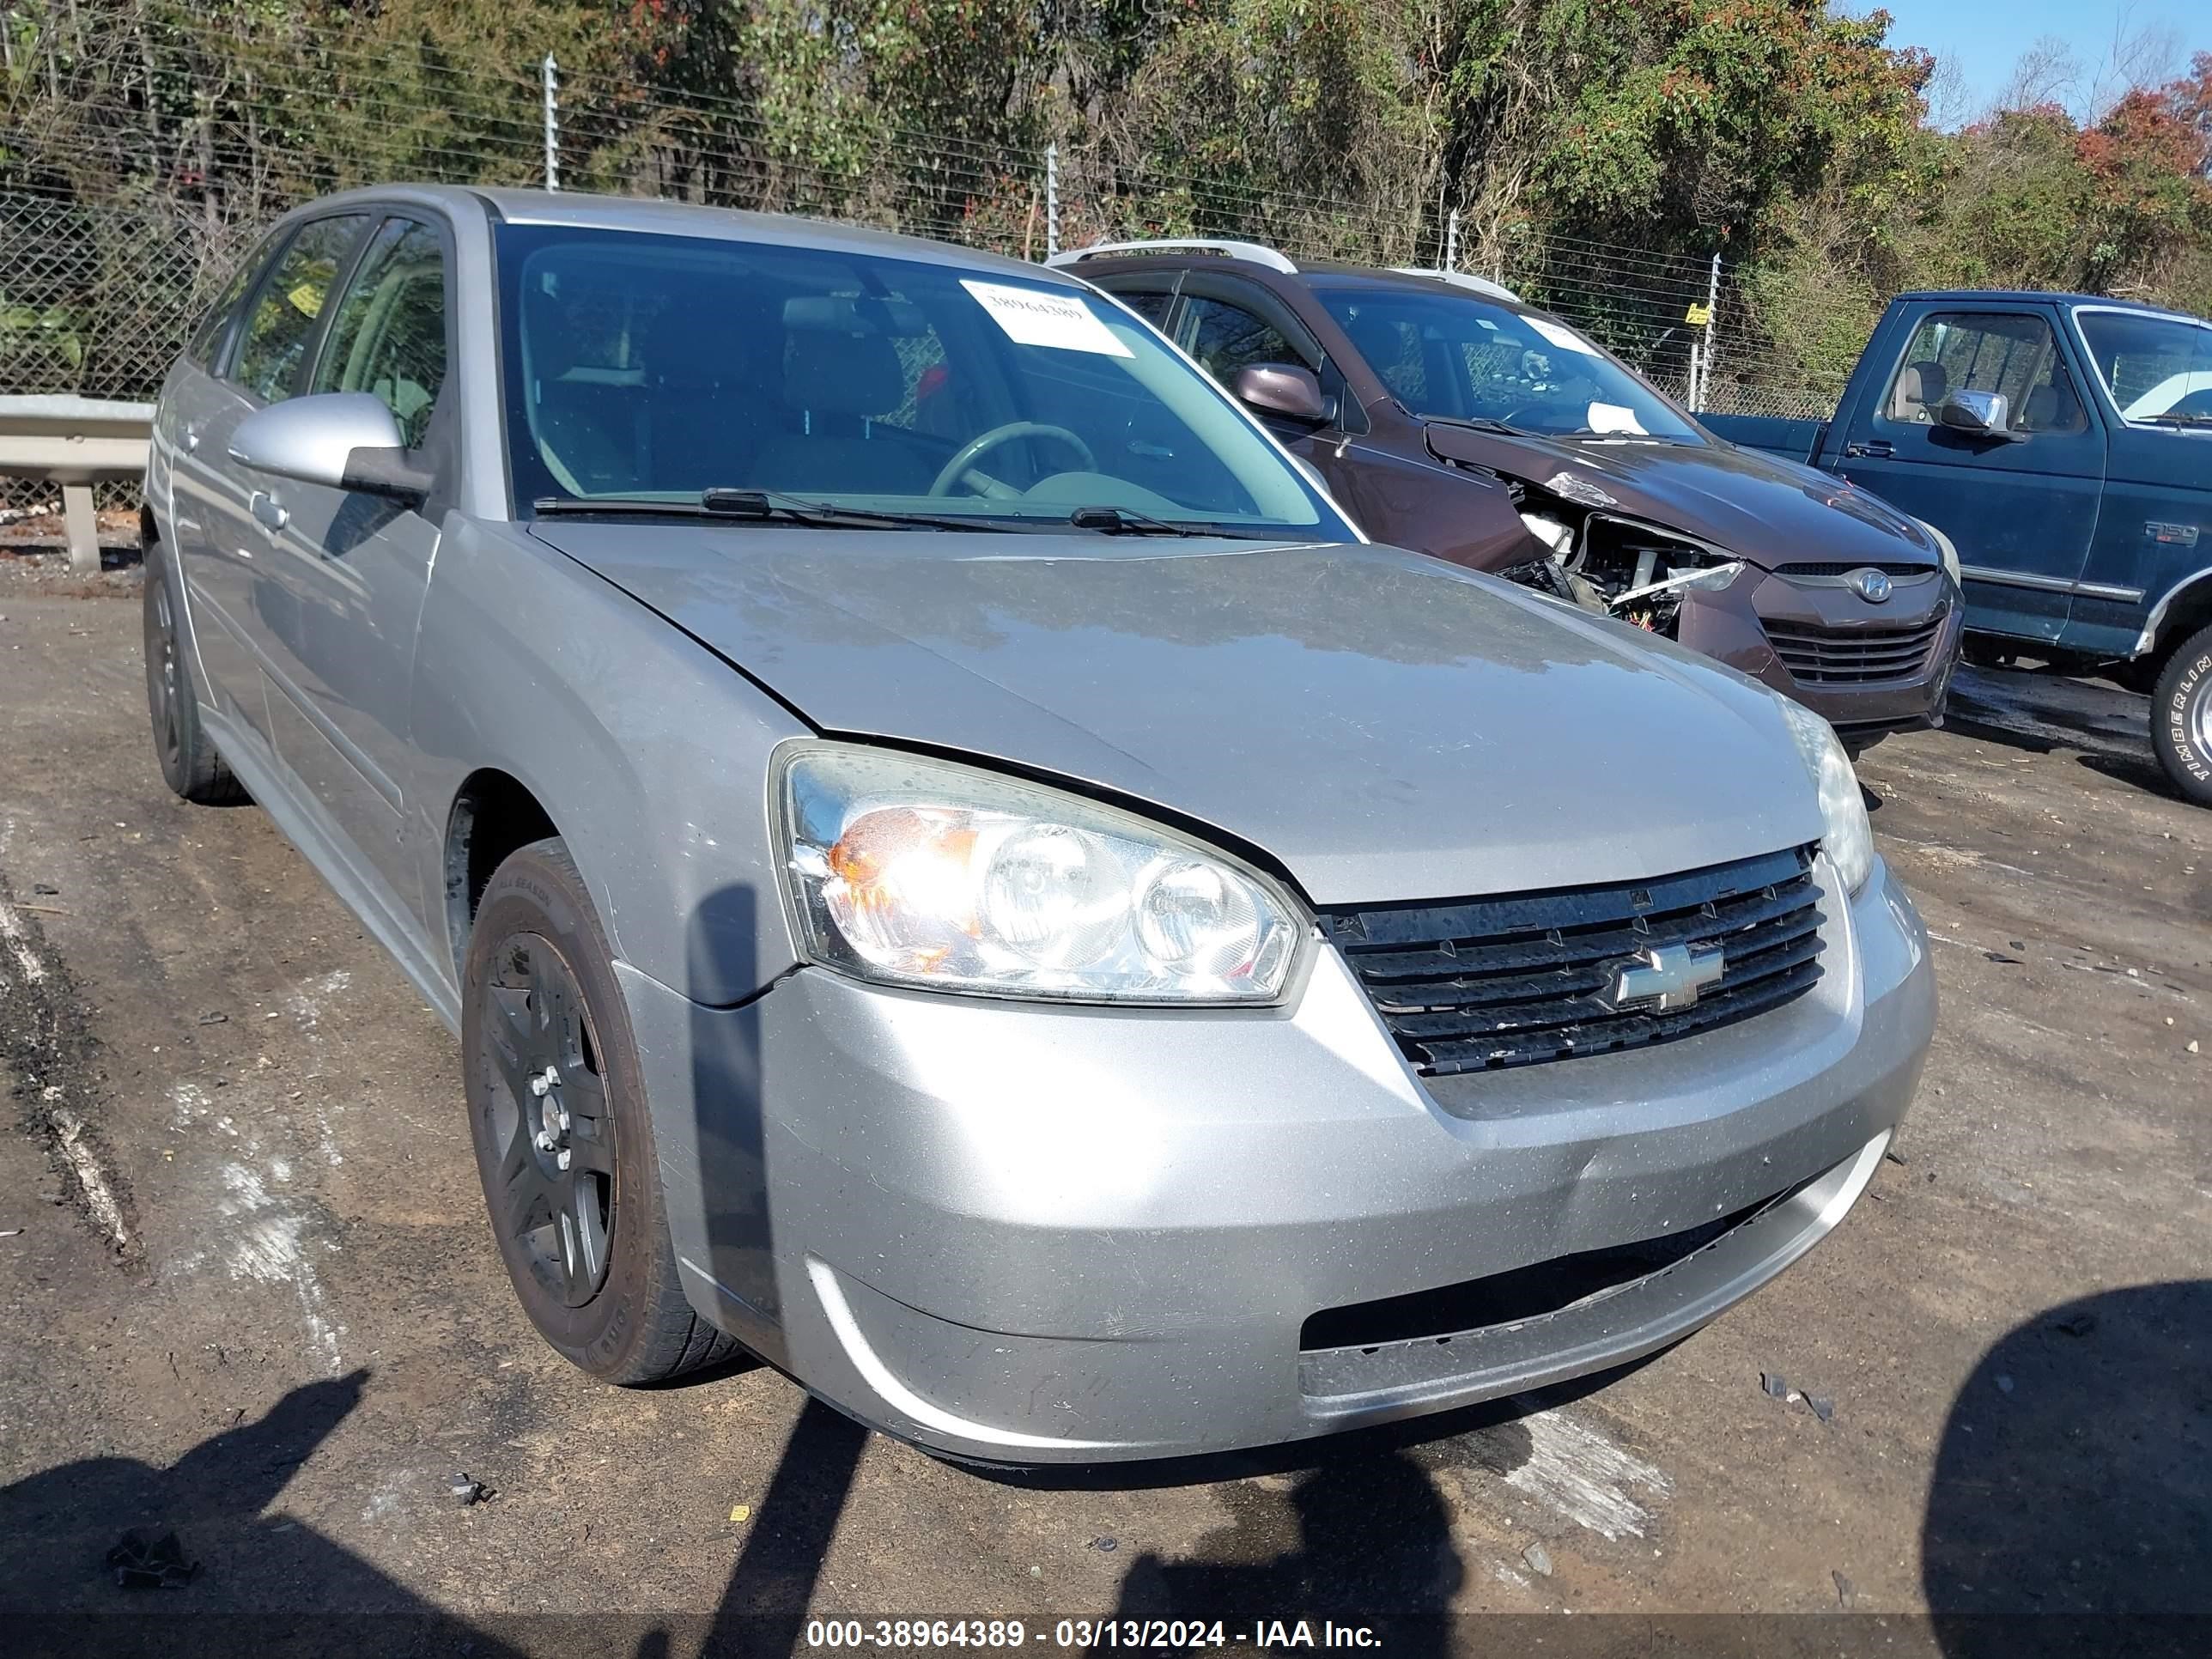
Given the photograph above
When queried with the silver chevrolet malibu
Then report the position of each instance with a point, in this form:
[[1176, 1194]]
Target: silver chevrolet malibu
[[955, 866]]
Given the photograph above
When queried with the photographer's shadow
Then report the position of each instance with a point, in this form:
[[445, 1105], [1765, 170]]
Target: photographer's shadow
[[2075, 1477]]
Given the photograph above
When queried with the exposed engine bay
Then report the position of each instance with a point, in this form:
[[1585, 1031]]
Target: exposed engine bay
[[1617, 566]]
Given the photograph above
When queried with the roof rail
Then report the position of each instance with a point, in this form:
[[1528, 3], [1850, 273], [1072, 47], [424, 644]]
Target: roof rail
[[1465, 279], [1256, 252]]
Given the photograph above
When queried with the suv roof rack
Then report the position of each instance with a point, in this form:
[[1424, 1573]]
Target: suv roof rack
[[1257, 252], [1466, 279]]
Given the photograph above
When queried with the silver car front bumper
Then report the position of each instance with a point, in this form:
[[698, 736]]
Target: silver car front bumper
[[1026, 1234]]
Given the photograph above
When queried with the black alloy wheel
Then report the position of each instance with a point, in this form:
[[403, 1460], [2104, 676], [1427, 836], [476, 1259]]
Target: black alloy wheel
[[554, 1204]]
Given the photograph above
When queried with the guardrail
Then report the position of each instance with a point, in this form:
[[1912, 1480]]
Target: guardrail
[[75, 442]]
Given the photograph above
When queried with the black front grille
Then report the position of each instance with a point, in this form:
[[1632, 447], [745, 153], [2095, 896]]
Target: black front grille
[[1486, 983], [1837, 569], [1853, 656]]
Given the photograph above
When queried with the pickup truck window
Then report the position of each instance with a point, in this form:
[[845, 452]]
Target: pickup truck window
[[2158, 368], [2009, 352]]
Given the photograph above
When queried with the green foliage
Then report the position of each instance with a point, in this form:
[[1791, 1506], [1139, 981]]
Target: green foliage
[[1787, 137]]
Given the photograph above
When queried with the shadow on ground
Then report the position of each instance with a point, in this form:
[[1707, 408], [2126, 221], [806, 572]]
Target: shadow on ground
[[2075, 1477]]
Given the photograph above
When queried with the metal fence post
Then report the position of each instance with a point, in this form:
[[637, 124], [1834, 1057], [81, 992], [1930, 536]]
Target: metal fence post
[[1712, 310], [550, 72], [1051, 200], [1451, 241]]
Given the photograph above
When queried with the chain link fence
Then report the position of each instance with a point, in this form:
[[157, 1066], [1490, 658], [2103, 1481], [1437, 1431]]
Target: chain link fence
[[114, 239]]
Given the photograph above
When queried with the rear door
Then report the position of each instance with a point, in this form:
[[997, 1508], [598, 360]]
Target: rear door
[[354, 567], [2022, 514]]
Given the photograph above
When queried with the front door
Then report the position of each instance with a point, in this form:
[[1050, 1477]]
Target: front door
[[354, 567], [238, 610], [1227, 324], [2022, 514]]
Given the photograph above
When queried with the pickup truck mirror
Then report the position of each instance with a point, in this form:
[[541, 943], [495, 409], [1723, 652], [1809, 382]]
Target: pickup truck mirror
[[342, 439], [1984, 414], [1279, 389]]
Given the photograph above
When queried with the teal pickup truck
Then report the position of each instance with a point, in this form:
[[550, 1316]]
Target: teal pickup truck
[[2063, 443]]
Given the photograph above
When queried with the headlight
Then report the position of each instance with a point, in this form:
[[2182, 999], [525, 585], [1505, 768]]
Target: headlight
[[908, 870], [1850, 838]]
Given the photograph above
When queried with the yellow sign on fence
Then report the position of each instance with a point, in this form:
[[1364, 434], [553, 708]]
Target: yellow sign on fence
[[1700, 315]]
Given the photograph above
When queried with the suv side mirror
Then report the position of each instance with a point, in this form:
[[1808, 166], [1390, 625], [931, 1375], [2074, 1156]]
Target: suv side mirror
[[341, 440], [1288, 393], [1981, 413]]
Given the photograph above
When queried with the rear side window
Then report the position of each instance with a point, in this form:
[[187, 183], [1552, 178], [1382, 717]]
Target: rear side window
[[207, 339], [2011, 353], [290, 303], [388, 337]]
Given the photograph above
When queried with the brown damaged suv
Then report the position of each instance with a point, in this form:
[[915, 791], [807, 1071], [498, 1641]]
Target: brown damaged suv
[[1450, 418]]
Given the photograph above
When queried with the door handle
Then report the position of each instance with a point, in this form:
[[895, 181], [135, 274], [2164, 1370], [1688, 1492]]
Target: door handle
[[1877, 449], [268, 512], [192, 437]]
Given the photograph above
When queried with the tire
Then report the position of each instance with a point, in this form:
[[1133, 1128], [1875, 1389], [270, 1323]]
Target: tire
[[2181, 718], [189, 763], [570, 1174]]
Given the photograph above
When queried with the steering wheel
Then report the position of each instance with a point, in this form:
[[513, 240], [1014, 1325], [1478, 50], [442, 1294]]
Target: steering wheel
[[956, 469]]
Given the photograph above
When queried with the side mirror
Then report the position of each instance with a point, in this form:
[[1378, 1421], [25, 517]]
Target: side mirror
[[1981, 413], [1282, 390], [341, 440]]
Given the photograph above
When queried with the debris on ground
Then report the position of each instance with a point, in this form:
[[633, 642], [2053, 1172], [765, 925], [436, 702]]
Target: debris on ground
[[1539, 1559], [1999, 956], [9, 1232], [1106, 1542], [1774, 1384], [142, 1562], [1895, 1156], [44, 889], [215, 1019], [740, 1512], [1844, 1590], [2076, 1324], [2005, 1383], [1823, 1407], [467, 1491]]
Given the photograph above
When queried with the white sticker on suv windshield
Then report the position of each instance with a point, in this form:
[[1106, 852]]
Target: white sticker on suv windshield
[[1615, 417], [1566, 338], [1032, 317]]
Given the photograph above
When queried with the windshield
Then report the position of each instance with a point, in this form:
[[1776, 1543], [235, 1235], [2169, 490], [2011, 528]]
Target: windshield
[[2152, 365], [650, 367], [1459, 357]]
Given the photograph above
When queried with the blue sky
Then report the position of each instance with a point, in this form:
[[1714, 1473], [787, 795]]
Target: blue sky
[[1985, 38]]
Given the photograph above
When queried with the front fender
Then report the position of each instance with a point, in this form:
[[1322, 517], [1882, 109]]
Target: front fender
[[648, 752]]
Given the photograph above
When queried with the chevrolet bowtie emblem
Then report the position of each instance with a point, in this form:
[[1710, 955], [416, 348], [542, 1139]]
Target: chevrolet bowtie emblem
[[1665, 977]]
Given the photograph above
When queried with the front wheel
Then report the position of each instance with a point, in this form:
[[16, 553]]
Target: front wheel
[[563, 1139], [2181, 718]]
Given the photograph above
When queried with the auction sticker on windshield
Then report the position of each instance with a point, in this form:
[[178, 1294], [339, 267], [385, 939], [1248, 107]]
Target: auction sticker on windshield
[[1030, 317], [1566, 338]]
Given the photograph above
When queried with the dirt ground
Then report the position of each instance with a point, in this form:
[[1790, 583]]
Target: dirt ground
[[247, 1294]]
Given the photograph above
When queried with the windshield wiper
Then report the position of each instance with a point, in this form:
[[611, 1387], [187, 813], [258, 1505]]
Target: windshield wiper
[[2175, 420], [1120, 521], [757, 507], [1486, 424]]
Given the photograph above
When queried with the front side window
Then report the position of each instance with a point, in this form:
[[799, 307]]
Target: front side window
[[1224, 338], [1460, 358], [388, 335], [2010, 353], [207, 339], [660, 367], [2158, 369], [282, 321]]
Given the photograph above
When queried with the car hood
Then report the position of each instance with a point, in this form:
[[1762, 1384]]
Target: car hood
[[1757, 507], [1385, 726]]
